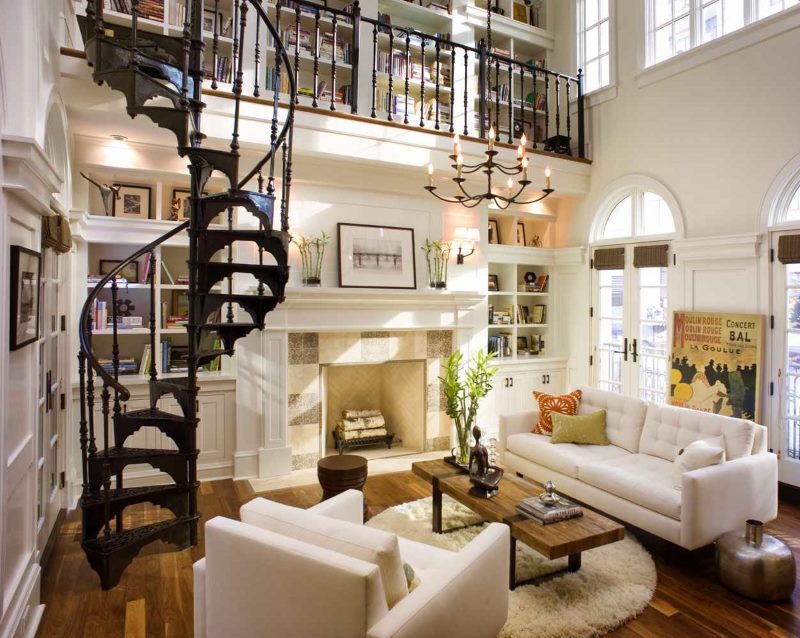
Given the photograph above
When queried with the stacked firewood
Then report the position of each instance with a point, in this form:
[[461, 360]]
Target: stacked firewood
[[360, 424]]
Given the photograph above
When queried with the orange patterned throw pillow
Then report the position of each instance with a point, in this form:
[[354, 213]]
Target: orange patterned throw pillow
[[564, 404]]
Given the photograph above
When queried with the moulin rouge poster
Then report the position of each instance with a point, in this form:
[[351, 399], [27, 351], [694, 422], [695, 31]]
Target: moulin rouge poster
[[716, 363]]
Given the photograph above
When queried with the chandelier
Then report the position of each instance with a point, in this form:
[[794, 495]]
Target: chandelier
[[502, 199]]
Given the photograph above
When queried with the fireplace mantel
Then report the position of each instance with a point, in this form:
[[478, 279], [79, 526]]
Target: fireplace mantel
[[349, 309]]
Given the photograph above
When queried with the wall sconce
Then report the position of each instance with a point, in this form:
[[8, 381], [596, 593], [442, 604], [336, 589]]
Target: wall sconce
[[465, 239]]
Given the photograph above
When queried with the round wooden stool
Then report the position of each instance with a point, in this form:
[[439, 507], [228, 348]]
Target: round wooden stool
[[342, 472]]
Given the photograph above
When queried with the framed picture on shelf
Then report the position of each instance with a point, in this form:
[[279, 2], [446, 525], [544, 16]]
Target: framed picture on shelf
[[522, 345], [520, 12], [180, 303], [25, 275], [133, 202], [494, 284], [494, 233], [521, 234], [210, 20], [376, 257], [179, 205], [130, 272]]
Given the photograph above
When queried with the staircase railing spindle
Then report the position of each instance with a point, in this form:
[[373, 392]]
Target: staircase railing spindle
[[408, 73], [314, 101], [374, 67], [390, 106], [257, 57], [510, 103], [453, 89], [422, 84], [215, 46], [466, 92], [83, 431], [152, 366], [335, 22], [237, 84]]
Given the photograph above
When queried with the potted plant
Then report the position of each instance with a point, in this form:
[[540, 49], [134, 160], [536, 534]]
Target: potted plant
[[437, 254], [463, 390], [312, 250]]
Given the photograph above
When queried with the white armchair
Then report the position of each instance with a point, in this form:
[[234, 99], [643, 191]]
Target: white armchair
[[256, 582]]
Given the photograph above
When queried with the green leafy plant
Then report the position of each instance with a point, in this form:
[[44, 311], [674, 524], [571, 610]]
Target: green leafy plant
[[437, 254], [311, 250], [464, 387]]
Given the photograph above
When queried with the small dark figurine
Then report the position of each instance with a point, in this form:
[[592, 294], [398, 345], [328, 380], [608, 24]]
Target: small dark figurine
[[484, 477]]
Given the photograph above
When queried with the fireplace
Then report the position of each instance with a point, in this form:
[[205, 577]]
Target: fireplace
[[396, 372]]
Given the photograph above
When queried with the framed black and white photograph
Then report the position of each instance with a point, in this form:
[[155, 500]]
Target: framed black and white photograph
[[376, 257], [521, 234], [129, 273], [494, 283], [494, 233], [522, 345], [133, 202], [25, 273], [208, 20]]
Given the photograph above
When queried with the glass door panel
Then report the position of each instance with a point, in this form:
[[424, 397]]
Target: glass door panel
[[650, 348], [611, 345]]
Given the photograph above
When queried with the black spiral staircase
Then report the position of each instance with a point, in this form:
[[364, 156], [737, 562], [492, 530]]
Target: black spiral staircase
[[161, 78]]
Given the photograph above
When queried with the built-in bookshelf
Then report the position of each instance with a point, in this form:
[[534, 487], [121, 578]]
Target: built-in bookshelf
[[149, 205]]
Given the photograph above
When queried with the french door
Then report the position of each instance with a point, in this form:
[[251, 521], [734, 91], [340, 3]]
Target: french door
[[631, 330], [785, 406]]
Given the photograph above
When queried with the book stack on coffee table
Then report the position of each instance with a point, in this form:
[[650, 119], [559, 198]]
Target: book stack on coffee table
[[545, 514]]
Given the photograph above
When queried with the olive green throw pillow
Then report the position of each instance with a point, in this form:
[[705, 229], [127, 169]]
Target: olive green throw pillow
[[582, 428]]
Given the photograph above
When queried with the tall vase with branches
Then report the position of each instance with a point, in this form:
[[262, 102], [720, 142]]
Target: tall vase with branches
[[437, 254], [464, 387], [311, 249]]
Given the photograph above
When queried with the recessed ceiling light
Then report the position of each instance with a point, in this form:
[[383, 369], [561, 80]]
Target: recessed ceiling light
[[119, 138]]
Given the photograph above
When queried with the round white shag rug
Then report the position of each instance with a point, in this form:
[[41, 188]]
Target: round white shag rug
[[614, 584]]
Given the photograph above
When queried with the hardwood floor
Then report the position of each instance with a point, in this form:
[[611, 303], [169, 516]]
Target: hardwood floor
[[154, 597]]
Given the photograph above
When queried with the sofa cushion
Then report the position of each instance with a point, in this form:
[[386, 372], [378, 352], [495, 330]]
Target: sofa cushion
[[549, 403], [667, 429], [357, 541], [624, 415], [698, 454], [581, 428], [566, 458], [639, 478]]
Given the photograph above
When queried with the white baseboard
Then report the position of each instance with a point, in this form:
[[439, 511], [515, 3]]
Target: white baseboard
[[22, 616], [274, 462]]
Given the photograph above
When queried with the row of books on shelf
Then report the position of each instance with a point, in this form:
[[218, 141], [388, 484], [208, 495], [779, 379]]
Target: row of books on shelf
[[223, 70], [397, 63], [344, 50], [102, 318], [536, 100], [149, 9], [519, 314], [173, 359], [501, 344], [312, 10], [407, 104]]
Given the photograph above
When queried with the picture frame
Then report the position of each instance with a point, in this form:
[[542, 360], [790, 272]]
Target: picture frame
[[494, 283], [209, 19], [180, 303], [133, 202], [179, 204], [376, 256], [522, 345], [26, 267], [494, 232], [521, 234], [521, 13], [130, 272]]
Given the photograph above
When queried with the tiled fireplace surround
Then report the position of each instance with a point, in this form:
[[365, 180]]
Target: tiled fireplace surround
[[310, 352]]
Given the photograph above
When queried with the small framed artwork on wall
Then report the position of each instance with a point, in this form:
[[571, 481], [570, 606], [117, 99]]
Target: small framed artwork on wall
[[133, 202], [376, 257], [494, 233], [25, 274]]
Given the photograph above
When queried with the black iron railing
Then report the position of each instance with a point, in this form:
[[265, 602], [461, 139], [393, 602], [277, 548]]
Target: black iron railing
[[419, 79]]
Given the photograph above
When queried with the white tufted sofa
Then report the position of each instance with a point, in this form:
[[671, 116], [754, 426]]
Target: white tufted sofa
[[632, 479]]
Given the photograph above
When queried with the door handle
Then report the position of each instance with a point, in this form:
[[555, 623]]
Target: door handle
[[624, 351], [634, 351], [512, 381]]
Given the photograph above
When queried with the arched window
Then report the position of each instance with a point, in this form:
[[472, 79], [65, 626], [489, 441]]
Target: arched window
[[631, 306], [792, 213], [635, 214]]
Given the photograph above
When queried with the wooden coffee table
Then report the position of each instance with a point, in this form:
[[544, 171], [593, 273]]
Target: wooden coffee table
[[566, 538]]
